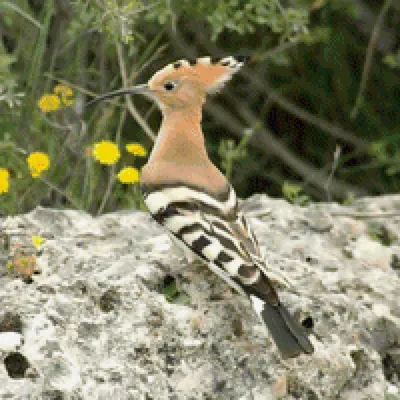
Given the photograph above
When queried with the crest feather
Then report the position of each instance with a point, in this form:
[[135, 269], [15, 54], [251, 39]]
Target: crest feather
[[211, 72]]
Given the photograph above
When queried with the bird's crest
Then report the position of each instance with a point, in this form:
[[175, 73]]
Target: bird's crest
[[210, 72]]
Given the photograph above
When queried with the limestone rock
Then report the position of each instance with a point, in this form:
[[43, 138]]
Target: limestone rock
[[98, 322]]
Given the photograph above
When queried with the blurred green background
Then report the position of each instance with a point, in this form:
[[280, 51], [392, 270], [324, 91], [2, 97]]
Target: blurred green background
[[314, 117]]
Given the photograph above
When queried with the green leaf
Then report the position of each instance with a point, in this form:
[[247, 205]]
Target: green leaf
[[172, 293], [21, 12]]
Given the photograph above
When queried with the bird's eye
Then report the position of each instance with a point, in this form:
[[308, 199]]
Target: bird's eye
[[169, 85]]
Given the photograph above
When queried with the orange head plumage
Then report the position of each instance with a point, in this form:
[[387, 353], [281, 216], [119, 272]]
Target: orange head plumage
[[185, 83]]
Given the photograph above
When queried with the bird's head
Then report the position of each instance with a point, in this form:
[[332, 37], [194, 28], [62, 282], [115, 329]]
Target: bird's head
[[185, 83]]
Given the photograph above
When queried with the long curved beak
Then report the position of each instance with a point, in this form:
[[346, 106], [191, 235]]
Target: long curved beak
[[143, 89]]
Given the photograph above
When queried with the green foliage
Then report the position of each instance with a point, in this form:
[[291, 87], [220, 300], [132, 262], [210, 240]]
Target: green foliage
[[230, 153], [116, 19], [392, 59], [314, 64], [229, 14], [8, 80], [386, 155], [242, 17], [294, 193], [347, 7], [172, 293], [381, 233]]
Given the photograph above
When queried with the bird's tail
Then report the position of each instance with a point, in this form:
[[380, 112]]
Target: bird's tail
[[289, 336]]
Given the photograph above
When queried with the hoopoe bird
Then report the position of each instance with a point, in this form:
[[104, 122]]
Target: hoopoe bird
[[187, 194]]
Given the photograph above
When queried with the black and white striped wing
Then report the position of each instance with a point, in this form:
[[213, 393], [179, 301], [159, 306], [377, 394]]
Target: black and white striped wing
[[211, 227]]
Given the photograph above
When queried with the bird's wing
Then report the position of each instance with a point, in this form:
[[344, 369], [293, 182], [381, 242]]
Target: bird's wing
[[211, 227]]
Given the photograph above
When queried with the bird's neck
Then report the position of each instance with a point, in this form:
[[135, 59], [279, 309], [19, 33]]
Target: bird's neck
[[180, 138]]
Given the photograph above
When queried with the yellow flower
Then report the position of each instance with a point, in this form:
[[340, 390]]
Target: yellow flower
[[49, 102], [128, 175], [136, 149], [4, 184], [37, 240], [106, 152], [38, 162], [66, 94]]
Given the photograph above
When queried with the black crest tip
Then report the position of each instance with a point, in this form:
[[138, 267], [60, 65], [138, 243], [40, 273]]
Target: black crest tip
[[215, 60]]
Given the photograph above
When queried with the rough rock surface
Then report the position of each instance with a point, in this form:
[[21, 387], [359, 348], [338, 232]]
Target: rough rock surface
[[96, 323]]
